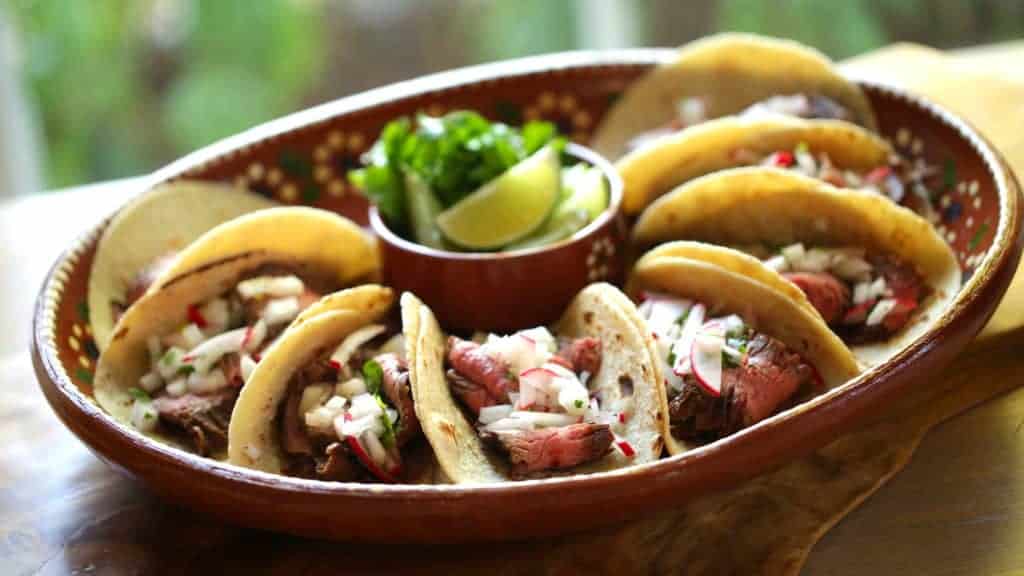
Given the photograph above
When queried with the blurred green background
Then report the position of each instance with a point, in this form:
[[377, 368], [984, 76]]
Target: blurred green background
[[119, 87]]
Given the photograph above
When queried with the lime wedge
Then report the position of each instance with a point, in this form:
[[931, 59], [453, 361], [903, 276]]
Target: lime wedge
[[507, 208], [423, 208], [583, 197]]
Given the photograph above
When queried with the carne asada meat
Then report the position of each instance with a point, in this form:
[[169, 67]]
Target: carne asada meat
[[581, 354], [472, 395], [829, 295], [532, 451], [468, 359], [203, 419], [767, 377], [395, 386]]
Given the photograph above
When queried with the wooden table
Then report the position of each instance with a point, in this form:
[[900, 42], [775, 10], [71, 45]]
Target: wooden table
[[958, 508]]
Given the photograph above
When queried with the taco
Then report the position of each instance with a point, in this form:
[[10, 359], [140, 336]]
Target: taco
[[730, 351], [145, 235], [333, 400], [724, 75], [577, 399], [840, 153], [878, 274], [180, 354]]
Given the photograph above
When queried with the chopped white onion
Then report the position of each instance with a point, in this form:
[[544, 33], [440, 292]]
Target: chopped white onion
[[199, 383], [247, 365], [663, 314], [363, 405], [155, 349], [376, 450], [794, 254], [151, 382], [336, 403], [270, 286], [217, 314], [144, 416], [255, 336], [177, 387], [351, 388], [192, 336], [880, 311], [354, 427], [281, 311], [572, 396], [205, 355], [353, 342], [313, 396], [489, 414], [171, 361], [777, 263], [544, 419]]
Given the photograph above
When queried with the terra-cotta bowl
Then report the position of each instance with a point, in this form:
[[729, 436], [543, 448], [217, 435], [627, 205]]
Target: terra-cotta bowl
[[302, 159], [506, 291]]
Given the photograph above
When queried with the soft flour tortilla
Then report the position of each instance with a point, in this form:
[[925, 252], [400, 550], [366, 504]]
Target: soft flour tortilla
[[323, 246], [458, 448], [161, 221], [252, 437], [729, 72], [657, 168], [754, 206], [768, 310]]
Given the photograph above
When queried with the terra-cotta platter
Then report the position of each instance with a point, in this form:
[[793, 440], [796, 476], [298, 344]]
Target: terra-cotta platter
[[302, 159]]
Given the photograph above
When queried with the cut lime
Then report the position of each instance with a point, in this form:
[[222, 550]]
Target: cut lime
[[583, 197], [507, 208], [423, 209]]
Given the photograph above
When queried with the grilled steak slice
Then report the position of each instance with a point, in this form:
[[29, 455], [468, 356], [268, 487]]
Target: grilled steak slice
[[580, 355], [202, 418], [473, 396], [532, 451], [829, 295], [769, 375], [811, 106], [336, 464], [395, 385], [469, 360]]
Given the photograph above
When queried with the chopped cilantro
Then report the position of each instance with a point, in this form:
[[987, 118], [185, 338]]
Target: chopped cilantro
[[671, 357], [682, 317], [186, 369], [388, 437], [139, 394], [453, 154], [803, 147], [579, 403], [374, 375]]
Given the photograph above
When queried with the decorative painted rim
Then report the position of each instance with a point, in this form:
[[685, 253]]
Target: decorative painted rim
[[44, 321]]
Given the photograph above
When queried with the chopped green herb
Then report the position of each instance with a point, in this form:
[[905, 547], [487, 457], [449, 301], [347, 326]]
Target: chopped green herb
[[388, 437], [671, 357], [374, 375], [139, 394], [578, 403], [682, 317], [453, 154], [728, 361], [186, 369], [802, 147]]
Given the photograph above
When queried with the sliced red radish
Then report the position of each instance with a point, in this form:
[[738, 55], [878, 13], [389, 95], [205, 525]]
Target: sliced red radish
[[626, 448], [783, 159], [693, 324], [196, 317], [706, 358], [878, 174], [367, 462], [533, 387]]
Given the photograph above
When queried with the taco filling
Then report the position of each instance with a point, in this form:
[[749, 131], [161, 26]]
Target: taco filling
[[137, 286], [348, 414], [197, 370], [721, 375], [528, 397], [864, 297], [900, 180], [692, 111]]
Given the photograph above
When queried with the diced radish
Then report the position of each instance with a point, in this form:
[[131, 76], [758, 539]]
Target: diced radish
[[281, 311], [533, 386], [663, 314], [706, 360], [783, 159], [195, 316], [878, 174], [366, 461], [626, 448], [353, 342], [691, 327], [270, 286], [489, 414]]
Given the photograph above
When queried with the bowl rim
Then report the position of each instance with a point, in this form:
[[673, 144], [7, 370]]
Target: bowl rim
[[387, 235], [44, 345]]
